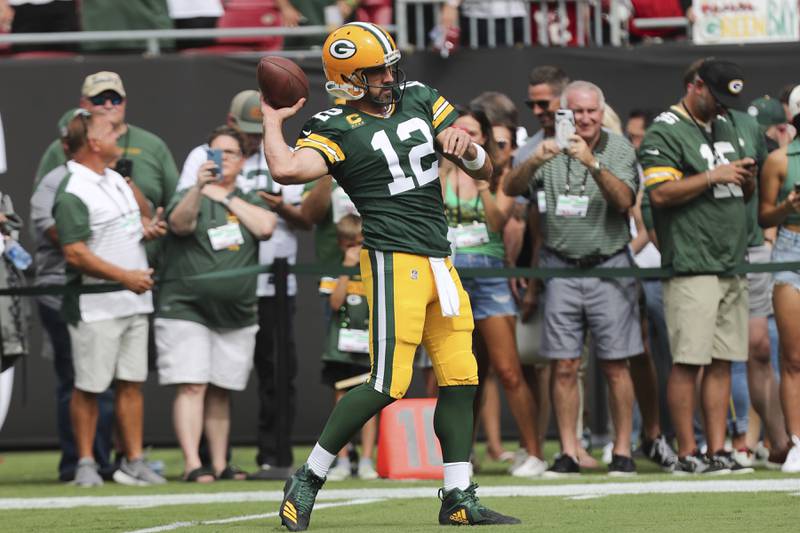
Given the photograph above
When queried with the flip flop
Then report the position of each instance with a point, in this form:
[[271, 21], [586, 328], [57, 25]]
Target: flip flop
[[201, 471], [233, 472]]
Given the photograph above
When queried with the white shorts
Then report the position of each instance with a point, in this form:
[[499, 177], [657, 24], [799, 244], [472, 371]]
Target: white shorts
[[189, 352], [106, 350]]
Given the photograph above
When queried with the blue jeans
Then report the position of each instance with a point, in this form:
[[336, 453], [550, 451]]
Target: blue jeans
[[740, 395], [659, 348], [65, 380]]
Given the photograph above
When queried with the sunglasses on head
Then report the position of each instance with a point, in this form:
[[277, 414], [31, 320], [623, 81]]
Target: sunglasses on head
[[102, 98], [543, 104]]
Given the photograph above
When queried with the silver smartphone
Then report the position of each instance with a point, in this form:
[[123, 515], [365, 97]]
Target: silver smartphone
[[565, 127]]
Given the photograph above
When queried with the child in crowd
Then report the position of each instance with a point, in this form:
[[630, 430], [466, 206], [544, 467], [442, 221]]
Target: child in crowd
[[346, 356]]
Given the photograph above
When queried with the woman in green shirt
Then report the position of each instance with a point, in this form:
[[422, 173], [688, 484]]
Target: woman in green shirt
[[477, 211], [779, 205]]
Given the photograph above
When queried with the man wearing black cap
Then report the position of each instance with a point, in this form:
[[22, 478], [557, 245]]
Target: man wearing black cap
[[698, 178]]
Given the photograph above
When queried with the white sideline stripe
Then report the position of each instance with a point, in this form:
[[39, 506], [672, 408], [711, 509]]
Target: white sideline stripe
[[243, 518], [542, 490]]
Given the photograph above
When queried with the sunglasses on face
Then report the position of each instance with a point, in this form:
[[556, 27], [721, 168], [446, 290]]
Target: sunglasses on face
[[542, 104], [102, 98]]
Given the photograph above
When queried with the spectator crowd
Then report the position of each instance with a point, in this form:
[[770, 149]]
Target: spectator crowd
[[701, 367]]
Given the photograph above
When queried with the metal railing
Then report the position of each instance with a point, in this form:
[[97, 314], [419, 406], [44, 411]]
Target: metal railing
[[589, 21]]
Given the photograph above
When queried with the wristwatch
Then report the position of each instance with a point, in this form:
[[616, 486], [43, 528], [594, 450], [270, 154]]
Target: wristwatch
[[596, 167], [227, 200]]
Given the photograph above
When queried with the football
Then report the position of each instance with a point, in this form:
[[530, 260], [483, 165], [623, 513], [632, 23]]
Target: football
[[281, 81]]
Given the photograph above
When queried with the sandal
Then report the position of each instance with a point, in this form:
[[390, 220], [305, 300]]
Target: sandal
[[233, 472], [201, 471]]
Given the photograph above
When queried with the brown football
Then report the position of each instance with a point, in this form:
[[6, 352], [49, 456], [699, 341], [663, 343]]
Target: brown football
[[281, 81]]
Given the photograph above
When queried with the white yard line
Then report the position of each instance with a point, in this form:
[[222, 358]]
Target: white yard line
[[731, 484], [178, 525]]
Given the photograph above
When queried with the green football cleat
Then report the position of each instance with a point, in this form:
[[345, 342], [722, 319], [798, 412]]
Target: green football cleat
[[299, 494], [462, 508]]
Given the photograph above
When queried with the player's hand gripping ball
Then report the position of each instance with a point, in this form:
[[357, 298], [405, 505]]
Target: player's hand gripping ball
[[281, 81]]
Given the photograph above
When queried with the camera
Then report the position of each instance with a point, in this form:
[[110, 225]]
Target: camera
[[125, 167], [565, 127]]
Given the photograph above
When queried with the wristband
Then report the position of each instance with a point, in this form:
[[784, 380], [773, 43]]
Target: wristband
[[228, 197], [477, 163]]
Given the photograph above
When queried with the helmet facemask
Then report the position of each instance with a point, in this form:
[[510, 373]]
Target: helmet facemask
[[397, 87]]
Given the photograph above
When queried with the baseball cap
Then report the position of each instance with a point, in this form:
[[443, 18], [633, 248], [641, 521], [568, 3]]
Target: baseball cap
[[794, 102], [246, 111], [63, 122], [767, 111], [724, 79], [98, 82]]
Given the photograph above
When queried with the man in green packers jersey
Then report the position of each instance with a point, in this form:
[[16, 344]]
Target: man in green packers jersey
[[699, 177], [381, 148]]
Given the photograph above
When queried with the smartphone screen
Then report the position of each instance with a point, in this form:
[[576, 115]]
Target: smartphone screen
[[215, 155]]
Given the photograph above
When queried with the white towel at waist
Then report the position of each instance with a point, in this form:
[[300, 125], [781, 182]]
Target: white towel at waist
[[448, 293]]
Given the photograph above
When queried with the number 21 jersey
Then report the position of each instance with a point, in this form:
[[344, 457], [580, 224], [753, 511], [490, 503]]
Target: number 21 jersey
[[389, 168]]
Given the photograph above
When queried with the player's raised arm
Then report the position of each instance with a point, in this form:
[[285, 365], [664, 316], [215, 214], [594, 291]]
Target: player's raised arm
[[288, 166], [457, 146]]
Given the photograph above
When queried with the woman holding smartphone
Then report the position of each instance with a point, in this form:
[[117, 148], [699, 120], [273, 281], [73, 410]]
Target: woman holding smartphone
[[779, 205], [205, 329], [477, 211]]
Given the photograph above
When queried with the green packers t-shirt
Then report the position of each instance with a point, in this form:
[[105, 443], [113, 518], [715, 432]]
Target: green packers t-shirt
[[388, 167], [154, 170], [217, 303], [707, 234]]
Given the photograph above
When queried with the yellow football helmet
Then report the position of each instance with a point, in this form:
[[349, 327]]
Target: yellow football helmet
[[351, 49]]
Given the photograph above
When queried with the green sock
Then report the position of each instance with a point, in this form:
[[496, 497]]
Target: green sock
[[350, 414], [452, 421]]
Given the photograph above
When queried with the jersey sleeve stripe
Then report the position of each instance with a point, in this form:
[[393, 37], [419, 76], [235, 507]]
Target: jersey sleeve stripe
[[658, 179], [443, 114], [331, 150], [671, 172], [437, 105]]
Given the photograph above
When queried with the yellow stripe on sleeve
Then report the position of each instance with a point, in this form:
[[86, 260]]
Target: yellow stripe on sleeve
[[331, 150], [442, 115], [438, 103], [653, 175]]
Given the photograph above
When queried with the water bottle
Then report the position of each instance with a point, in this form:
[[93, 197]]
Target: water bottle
[[17, 255]]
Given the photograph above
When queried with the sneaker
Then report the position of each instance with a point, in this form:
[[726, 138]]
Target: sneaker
[[532, 466], [520, 456], [299, 494], [792, 463], [137, 473], [86, 474], [563, 466], [691, 464], [608, 453], [744, 456], [463, 508], [660, 452], [621, 466], [723, 463], [366, 470], [762, 454], [340, 472]]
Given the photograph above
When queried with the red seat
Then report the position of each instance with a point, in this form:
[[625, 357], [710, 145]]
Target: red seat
[[375, 11], [251, 14]]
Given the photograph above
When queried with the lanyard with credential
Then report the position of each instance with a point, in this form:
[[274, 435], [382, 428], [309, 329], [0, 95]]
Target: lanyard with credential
[[583, 182]]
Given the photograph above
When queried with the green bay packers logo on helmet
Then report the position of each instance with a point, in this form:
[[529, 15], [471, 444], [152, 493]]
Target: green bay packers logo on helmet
[[352, 49], [343, 48]]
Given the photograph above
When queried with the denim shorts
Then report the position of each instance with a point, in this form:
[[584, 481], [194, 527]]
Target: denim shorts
[[787, 248], [488, 296]]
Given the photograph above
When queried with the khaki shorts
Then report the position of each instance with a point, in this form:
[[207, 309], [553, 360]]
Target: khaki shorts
[[706, 318], [189, 352], [106, 350]]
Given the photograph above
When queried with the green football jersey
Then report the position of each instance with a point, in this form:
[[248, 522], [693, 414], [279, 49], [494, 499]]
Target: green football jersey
[[753, 144], [707, 234], [389, 168]]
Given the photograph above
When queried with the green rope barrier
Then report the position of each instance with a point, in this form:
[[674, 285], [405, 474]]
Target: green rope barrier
[[467, 273]]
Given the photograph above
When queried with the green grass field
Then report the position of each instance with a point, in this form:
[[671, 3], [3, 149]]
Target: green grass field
[[31, 501]]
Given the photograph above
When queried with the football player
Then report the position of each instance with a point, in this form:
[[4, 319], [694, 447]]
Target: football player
[[381, 146]]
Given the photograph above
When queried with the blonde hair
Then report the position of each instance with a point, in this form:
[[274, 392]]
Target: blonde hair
[[349, 227]]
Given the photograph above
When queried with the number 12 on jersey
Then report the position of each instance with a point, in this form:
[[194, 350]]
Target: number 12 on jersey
[[400, 182]]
